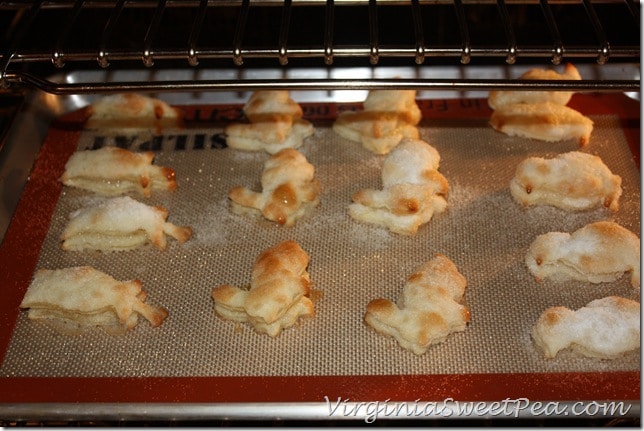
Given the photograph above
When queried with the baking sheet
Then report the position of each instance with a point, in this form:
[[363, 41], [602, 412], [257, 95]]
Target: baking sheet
[[483, 231]]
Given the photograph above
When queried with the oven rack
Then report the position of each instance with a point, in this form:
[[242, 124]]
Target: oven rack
[[44, 37]]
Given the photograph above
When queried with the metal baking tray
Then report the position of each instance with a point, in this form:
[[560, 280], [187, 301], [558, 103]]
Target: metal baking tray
[[332, 366]]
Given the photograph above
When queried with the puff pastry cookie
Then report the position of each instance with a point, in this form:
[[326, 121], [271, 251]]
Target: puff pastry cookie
[[413, 190], [388, 116], [605, 328], [82, 297], [598, 252], [275, 123], [120, 223], [113, 171], [132, 113], [541, 115], [545, 121], [497, 99], [278, 293], [571, 181], [289, 190], [428, 310]]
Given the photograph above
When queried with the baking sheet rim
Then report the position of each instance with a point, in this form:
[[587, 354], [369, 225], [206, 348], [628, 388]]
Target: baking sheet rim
[[626, 381]]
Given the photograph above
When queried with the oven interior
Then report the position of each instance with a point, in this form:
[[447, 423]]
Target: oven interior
[[42, 38], [65, 53]]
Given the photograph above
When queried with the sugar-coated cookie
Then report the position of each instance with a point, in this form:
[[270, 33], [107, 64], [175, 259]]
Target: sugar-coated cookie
[[413, 190], [605, 328], [113, 171], [598, 252], [572, 181], [120, 223], [83, 297]]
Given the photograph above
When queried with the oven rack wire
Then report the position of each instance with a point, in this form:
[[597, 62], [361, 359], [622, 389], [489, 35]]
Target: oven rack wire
[[45, 37]]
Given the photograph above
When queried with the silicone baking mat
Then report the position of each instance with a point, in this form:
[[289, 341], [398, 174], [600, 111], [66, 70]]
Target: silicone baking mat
[[483, 231]]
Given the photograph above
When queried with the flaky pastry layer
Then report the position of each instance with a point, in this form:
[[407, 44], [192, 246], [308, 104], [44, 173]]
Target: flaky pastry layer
[[388, 116], [413, 190], [112, 171], [289, 190], [543, 121], [120, 223], [599, 252], [89, 298], [572, 181], [427, 311], [275, 123], [278, 293], [132, 113], [500, 98], [605, 328]]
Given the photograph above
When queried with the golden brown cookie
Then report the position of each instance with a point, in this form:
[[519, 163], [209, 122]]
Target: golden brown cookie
[[278, 293], [275, 123], [428, 310], [388, 117], [289, 190]]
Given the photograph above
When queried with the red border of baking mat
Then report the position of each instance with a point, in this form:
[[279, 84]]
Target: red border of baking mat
[[30, 223]]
